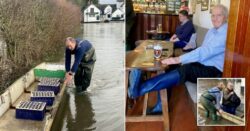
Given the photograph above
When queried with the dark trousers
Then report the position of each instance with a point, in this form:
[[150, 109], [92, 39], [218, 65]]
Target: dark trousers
[[179, 44], [84, 72], [228, 109], [208, 105], [83, 76], [190, 72]]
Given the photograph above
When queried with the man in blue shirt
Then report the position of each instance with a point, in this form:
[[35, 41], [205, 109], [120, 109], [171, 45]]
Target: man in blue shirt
[[205, 61], [184, 31], [210, 100], [83, 65]]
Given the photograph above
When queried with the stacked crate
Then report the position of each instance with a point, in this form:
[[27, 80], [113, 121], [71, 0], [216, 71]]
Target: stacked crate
[[30, 110], [43, 96], [48, 87], [49, 84]]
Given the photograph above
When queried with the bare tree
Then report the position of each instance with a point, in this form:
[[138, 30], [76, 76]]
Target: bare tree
[[35, 30]]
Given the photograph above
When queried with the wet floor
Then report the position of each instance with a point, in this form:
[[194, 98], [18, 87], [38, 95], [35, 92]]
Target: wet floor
[[101, 108]]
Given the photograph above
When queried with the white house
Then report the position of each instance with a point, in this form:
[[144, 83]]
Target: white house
[[118, 15], [91, 14], [108, 13]]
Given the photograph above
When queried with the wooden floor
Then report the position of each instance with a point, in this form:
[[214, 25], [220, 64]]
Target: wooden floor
[[181, 114], [180, 111], [145, 126]]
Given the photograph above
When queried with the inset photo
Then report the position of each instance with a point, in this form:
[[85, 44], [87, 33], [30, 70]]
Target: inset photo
[[221, 102]]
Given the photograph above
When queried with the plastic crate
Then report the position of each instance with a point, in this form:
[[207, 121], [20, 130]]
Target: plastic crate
[[43, 96], [31, 110], [46, 80], [49, 73], [49, 86]]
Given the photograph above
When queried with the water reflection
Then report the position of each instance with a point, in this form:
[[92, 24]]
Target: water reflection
[[79, 115]]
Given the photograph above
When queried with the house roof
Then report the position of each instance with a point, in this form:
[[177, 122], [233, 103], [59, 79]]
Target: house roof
[[119, 10], [103, 6], [122, 4], [89, 6]]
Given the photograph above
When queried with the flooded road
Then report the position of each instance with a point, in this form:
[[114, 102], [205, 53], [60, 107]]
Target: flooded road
[[101, 108]]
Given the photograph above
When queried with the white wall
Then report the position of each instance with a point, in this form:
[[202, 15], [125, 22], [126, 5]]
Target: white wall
[[117, 13], [203, 18]]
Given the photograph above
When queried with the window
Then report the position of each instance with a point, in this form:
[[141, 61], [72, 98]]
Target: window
[[92, 13], [91, 10]]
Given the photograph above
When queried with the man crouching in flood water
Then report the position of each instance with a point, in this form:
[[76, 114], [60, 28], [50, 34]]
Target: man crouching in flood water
[[83, 65]]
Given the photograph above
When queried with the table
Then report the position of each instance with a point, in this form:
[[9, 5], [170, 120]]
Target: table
[[143, 57], [157, 34]]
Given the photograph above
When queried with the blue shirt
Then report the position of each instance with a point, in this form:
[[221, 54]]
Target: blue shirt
[[216, 93], [212, 50], [185, 31], [81, 48]]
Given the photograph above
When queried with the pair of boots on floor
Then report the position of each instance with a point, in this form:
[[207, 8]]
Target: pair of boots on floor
[[162, 81]]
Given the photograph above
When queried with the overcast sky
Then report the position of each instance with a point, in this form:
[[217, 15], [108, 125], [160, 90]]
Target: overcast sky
[[107, 1]]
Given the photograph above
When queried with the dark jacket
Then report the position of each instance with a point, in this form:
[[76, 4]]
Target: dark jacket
[[184, 32], [81, 48]]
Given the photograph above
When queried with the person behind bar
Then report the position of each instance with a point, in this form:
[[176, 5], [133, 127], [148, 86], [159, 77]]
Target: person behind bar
[[210, 100], [205, 61], [184, 31], [83, 65], [230, 100]]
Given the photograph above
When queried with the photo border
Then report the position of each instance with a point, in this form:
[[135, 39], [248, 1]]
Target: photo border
[[244, 79]]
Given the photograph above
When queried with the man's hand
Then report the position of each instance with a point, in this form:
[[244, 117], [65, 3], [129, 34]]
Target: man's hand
[[220, 111], [68, 78], [231, 93], [171, 61], [173, 37]]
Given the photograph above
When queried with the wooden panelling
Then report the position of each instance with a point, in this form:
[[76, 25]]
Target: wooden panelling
[[237, 58], [146, 22]]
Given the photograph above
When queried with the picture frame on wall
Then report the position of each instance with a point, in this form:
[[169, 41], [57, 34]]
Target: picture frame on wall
[[193, 6], [213, 3], [204, 5], [171, 6]]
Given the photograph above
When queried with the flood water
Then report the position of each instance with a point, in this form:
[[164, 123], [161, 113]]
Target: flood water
[[101, 108]]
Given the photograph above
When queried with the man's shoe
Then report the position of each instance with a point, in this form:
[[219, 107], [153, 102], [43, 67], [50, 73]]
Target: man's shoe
[[157, 109]]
